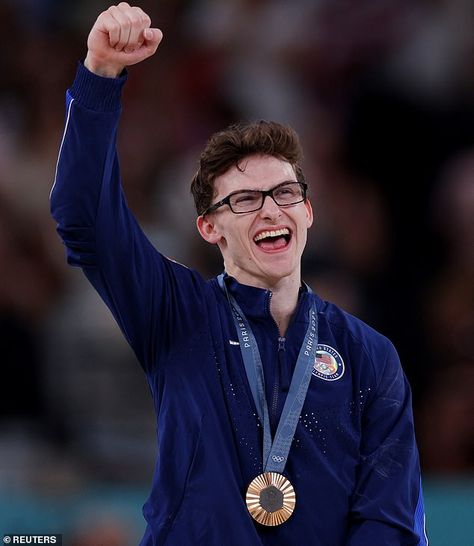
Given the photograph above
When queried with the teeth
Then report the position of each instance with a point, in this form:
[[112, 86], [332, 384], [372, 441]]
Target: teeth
[[273, 233]]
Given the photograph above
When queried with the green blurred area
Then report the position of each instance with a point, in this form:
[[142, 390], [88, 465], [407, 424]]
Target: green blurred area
[[449, 511], [449, 508]]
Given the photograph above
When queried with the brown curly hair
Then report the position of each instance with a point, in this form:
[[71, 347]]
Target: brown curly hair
[[227, 148]]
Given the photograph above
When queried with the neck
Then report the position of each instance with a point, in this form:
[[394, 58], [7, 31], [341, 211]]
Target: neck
[[284, 295], [283, 304]]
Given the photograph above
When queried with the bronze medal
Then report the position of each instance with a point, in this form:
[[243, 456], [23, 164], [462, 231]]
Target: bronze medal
[[270, 498]]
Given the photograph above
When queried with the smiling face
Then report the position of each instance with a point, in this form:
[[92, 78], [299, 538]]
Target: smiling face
[[264, 247]]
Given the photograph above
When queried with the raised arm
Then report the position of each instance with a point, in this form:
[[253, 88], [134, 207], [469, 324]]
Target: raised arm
[[100, 233]]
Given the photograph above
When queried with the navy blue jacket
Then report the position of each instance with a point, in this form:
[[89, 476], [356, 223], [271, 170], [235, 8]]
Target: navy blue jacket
[[353, 462]]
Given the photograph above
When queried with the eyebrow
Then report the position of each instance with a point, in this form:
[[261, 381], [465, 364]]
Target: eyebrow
[[270, 188]]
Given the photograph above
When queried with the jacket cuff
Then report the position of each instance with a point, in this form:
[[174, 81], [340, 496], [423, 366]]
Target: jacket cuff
[[96, 92]]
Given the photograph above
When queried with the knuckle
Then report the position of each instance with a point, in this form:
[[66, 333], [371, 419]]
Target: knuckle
[[135, 21], [141, 17], [138, 18], [114, 27], [140, 13]]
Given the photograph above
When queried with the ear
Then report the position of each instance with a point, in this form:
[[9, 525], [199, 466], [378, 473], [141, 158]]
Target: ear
[[207, 229], [309, 213]]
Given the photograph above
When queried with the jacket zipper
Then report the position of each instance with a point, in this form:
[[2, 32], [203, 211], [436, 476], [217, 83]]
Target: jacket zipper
[[273, 411], [276, 384]]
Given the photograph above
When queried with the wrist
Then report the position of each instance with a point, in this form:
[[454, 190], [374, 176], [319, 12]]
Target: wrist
[[101, 68], [95, 92]]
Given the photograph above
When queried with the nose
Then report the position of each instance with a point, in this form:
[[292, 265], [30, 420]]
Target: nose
[[270, 209]]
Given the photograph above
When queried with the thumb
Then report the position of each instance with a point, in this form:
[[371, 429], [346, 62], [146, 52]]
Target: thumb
[[152, 36]]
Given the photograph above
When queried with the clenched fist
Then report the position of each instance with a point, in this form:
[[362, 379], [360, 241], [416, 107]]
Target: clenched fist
[[120, 37]]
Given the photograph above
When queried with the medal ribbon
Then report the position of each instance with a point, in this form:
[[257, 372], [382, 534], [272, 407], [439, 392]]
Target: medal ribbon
[[275, 454]]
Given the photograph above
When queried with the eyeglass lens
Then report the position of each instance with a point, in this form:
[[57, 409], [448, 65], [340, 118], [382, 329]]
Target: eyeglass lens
[[250, 200]]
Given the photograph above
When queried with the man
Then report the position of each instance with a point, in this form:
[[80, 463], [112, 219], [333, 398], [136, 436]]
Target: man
[[281, 419]]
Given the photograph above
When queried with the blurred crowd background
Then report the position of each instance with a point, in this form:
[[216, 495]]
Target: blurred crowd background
[[382, 95]]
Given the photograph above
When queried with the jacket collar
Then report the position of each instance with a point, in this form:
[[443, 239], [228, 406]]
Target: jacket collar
[[255, 302]]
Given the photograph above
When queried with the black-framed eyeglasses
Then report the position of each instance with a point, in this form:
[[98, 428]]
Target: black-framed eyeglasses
[[242, 201]]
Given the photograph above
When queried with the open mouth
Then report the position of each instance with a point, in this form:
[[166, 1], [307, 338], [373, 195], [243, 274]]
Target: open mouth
[[273, 239]]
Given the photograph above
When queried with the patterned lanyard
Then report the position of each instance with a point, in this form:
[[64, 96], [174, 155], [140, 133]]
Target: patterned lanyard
[[275, 454]]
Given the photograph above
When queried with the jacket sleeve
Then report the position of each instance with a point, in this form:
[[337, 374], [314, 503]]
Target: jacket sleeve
[[143, 289], [387, 505]]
